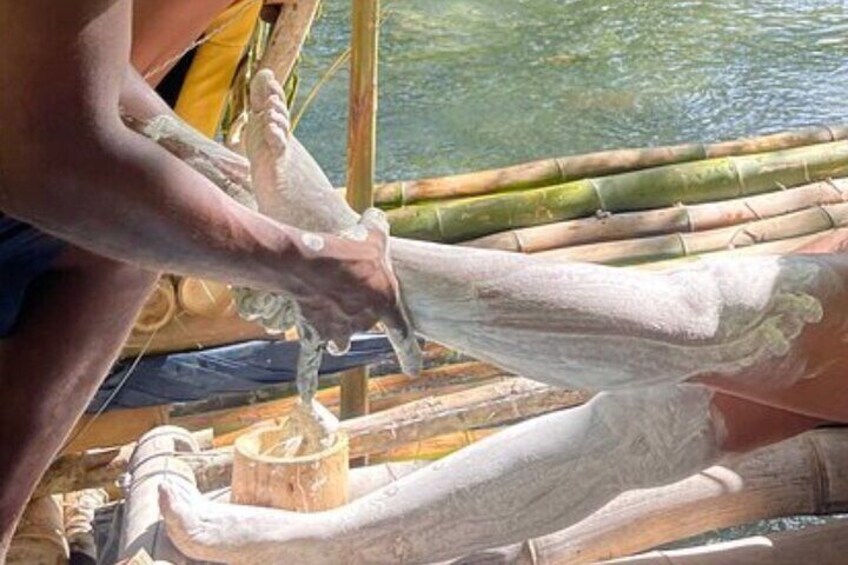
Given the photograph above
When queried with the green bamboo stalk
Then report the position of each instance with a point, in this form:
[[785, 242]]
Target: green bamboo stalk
[[681, 218], [661, 248], [575, 167], [687, 183]]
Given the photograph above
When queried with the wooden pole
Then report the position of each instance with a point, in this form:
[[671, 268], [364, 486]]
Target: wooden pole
[[361, 150], [290, 31]]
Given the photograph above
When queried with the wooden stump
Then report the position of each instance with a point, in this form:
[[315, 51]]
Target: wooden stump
[[265, 476], [40, 536]]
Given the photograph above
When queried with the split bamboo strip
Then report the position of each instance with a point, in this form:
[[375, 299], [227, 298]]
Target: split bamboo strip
[[565, 169], [823, 544], [361, 153], [434, 448], [632, 251], [804, 475], [290, 31], [688, 183], [682, 218]]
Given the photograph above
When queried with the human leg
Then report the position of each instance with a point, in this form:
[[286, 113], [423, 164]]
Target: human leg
[[70, 332]]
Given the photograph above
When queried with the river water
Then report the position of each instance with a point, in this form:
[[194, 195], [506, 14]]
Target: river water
[[472, 84]]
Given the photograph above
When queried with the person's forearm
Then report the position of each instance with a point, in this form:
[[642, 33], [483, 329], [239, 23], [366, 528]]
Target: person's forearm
[[125, 198], [146, 113]]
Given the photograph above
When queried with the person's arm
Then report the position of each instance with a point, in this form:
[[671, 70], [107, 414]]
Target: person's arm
[[146, 113]]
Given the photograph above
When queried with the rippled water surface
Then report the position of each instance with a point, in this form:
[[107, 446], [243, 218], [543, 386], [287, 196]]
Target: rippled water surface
[[471, 84]]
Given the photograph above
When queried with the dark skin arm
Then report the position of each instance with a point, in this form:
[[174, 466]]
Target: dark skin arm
[[70, 167]]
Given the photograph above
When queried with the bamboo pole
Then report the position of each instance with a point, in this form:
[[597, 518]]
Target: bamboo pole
[[153, 462], [659, 248], [487, 406], [804, 475], [688, 183], [361, 152], [565, 169], [822, 544], [681, 218], [96, 468], [229, 422], [290, 31]]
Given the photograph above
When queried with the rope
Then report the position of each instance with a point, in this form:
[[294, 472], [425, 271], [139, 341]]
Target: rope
[[114, 394]]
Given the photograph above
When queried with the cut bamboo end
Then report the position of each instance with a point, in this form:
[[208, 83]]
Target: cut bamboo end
[[209, 299], [39, 538], [159, 309], [307, 483]]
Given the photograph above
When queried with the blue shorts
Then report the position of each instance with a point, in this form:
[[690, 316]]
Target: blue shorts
[[25, 253]]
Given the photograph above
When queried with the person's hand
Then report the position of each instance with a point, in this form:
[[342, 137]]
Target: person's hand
[[348, 285]]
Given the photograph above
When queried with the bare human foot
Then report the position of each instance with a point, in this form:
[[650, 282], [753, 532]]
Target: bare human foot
[[213, 531]]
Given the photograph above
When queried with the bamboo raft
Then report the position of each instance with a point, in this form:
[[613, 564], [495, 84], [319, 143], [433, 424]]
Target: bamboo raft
[[785, 198], [638, 208]]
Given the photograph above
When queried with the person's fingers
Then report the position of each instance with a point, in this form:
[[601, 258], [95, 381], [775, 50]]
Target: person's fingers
[[402, 337]]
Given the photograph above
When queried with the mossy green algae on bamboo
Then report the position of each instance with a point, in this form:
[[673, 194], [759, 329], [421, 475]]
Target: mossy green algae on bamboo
[[688, 183]]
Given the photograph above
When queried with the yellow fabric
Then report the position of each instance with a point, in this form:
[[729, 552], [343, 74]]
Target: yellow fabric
[[207, 83]]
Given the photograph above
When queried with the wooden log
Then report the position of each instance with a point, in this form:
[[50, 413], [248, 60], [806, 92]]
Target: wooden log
[[823, 544], [488, 406], [232, 420], [290, 31], [688, 183], [40, 536], [160, 308], [96, 468], [265, 475], [674, 219], [205, 298], [565, 169], [153, 462], [659, 248], [804, 475]]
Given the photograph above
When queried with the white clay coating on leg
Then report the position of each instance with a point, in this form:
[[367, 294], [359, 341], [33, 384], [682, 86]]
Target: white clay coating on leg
[[565, 323], [533, 478], [218, 164], [312, 240]]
